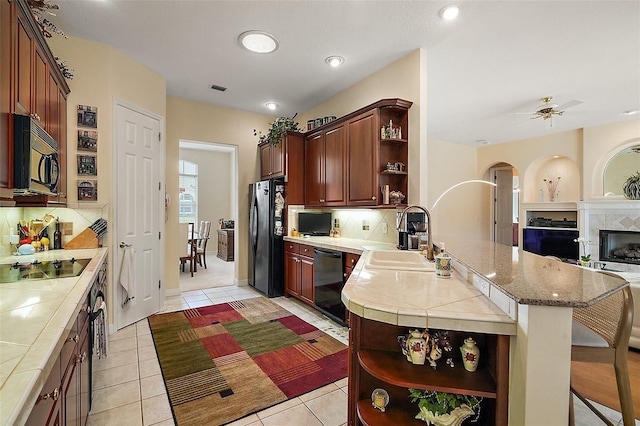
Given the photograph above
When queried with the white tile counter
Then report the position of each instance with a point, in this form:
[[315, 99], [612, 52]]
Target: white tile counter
[[35, 318], [420, 299]]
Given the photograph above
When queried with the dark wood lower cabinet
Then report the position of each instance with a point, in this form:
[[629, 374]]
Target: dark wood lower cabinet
[[376, 361], [64, 399], [298, 272]]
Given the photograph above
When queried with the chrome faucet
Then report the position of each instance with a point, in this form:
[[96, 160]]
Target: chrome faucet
[[429, 237]]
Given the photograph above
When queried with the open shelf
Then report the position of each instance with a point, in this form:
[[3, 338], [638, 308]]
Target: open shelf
[[391, 368]]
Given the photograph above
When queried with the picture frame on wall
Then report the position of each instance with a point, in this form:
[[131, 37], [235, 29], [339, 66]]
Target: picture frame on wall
[[87, 190], [88, 116], [87, 165], [88, 140]]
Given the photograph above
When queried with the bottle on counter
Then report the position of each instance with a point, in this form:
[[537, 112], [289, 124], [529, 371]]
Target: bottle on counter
[[443, 263], [57, 237]]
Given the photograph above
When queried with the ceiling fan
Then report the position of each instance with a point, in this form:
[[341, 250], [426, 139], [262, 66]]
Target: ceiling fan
[[548, 109]]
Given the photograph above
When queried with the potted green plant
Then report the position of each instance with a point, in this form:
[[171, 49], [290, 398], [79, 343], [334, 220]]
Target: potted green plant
[[631, 187], [277, 130], [444, 408]]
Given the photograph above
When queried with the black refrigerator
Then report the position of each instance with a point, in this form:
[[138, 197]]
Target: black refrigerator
[[267, 215]]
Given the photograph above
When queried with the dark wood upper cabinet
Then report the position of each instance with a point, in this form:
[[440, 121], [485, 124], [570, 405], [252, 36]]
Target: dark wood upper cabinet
[[325, 159], [363, 160], [346, 159], [285, 159], [30, 84]]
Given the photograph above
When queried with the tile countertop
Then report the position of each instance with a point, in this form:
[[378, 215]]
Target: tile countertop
[[413, 299], [35, 317], [348, 245], [524, 277]]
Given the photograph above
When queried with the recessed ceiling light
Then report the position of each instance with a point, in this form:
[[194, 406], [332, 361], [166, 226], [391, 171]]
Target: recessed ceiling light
[[631, 112], [334, 61], [449, 12], [258, 41], [271, 105]]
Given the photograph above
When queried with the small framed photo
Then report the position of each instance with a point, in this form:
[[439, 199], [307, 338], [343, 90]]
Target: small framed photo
[[87, 190], [88, 140], [87, 165], [87, 116]]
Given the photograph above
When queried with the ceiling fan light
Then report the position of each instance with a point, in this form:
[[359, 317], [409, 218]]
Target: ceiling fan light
[[450, 12], [258, 41]]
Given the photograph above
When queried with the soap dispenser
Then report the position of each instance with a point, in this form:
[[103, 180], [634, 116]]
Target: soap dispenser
[[443, 263]]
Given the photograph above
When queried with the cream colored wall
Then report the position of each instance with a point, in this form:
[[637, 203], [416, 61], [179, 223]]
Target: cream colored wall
[[201, 122], [214, 185], [462, 212], [102, 76], [601, 143], [401, 79]]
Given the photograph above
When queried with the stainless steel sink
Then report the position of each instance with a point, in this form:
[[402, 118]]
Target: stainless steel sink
[[399, 260]]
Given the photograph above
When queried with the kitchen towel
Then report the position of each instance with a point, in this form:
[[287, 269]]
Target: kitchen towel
[[99, 318], [126, 274]]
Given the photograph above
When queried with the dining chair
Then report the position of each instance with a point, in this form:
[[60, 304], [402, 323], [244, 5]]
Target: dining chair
[[187, 246], [201, 249], [600, 334]]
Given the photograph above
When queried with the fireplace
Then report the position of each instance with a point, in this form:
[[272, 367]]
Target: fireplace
[[620, 246]]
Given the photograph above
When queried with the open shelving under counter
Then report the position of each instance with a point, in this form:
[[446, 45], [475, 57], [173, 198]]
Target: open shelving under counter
[[377, 362]]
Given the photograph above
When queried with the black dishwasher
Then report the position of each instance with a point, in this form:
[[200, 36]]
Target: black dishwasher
[[328, 281]]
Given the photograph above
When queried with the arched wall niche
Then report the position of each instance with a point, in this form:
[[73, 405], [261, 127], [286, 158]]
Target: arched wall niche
[[551, 167], [603, 184]]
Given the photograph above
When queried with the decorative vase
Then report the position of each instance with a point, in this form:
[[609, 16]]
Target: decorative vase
[[454, 418], [470, 354], [417, 347], [585, 263]]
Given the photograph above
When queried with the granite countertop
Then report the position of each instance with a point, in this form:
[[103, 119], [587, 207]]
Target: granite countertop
[[530, 279], [35, 318]]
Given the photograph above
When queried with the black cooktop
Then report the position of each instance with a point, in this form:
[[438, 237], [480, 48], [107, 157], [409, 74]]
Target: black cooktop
[[41, 270]]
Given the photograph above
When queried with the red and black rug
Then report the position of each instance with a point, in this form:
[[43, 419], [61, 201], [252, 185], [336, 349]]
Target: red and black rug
[[223, 362]]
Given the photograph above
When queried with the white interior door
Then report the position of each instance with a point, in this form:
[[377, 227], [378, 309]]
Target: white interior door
[[503, 210], [138, 210]]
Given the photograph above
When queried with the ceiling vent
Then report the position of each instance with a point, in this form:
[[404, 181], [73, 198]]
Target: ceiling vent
[[218, 88]]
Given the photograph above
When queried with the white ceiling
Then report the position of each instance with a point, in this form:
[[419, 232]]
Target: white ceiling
[[497, 59]]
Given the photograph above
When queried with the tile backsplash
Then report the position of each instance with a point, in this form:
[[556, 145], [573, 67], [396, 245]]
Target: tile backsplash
[[362, 224], [80, 219]]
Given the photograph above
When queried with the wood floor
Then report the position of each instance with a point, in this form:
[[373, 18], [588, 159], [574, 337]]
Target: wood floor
[[597, 382]]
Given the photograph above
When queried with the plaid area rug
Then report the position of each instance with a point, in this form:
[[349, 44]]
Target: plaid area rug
[[223, 362]]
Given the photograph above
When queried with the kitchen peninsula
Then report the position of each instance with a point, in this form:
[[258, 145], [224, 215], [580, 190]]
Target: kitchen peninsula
[[495, 290]]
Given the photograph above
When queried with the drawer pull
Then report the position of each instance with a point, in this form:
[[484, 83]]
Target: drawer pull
[[55, 394]]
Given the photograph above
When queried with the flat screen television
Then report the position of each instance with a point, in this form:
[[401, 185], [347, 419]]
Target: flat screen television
[[314, 223], [551, 242]]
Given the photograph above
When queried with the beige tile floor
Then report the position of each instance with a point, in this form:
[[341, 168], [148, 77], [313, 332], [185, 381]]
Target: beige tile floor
[[129, 389]]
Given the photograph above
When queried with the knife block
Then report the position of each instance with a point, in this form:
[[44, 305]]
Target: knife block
[[86, 239]]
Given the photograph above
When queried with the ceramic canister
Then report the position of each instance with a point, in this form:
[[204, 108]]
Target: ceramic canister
[[470, 354]]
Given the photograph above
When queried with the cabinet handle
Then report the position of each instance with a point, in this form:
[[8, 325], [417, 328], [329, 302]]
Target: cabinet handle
[[322, 200], [73, 339], [344, 274], [55, 394], [373, 198]]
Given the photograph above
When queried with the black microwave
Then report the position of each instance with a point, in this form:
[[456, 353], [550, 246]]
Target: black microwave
[[36, 169]]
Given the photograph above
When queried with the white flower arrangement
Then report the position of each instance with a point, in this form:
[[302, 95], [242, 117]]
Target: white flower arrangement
[[586, 257]]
